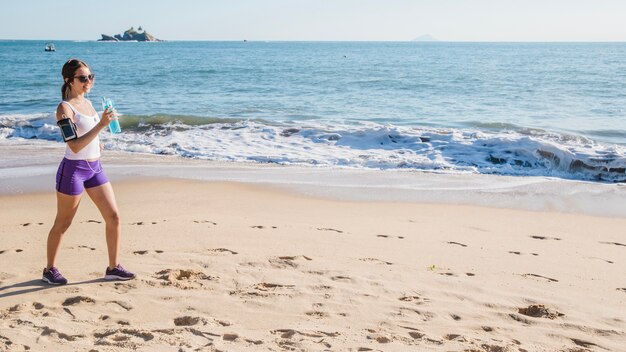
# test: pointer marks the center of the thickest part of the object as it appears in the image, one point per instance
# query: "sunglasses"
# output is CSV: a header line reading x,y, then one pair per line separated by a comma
x,y
84,79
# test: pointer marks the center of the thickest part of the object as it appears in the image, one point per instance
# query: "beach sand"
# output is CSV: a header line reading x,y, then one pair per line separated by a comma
x,y
237,267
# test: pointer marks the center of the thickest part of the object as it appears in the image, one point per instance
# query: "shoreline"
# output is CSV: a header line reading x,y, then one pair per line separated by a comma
x,y
30,168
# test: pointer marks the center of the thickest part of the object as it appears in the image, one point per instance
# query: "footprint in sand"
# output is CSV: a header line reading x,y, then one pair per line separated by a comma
x,y
265,289
457,243
260,227
47,331
92,221
78,299
516,253
455,317
124,287
187,321
378,261
623,289
583,343
183,279
230,337
387,236
545,238
424,315
289,333
122,304
68,311
541,277
122,337
87,247
414,299
447,274
413,332
205,222
341,278
140,223
604,260
287,261
614,243
254,342
222,250
147,251
520,319
158,251
19,250
539,311
5,342
455,337
317,314
328,229
322,288
28,224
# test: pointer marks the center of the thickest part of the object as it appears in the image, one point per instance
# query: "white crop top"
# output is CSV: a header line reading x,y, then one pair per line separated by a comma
x,y
84,124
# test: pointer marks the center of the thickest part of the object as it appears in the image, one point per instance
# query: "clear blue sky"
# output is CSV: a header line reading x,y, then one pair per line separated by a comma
x,y
396,20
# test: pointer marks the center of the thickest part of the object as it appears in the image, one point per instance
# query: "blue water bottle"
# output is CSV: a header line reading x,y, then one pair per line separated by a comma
x,y
114,125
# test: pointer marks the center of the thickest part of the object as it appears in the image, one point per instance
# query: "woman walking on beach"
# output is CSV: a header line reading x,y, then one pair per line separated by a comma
x,y
80,170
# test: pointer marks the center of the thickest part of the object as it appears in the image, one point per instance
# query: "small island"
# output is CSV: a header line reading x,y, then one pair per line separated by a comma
x,y
131,34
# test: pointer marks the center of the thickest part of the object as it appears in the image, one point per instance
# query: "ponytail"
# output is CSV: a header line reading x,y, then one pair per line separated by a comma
x,y
65,91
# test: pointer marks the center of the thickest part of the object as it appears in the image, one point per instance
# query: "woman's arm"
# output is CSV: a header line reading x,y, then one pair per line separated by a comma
x,y
81,142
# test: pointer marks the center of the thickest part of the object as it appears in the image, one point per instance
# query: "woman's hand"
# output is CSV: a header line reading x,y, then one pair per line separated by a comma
x,y
108,115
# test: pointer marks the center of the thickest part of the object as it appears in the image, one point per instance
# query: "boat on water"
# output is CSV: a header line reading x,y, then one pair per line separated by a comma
x,y
50,47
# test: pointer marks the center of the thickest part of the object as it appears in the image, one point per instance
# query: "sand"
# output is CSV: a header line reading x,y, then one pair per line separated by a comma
x,y
236,267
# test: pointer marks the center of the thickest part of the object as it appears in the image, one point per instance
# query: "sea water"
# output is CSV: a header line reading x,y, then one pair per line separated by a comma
x,y
523,109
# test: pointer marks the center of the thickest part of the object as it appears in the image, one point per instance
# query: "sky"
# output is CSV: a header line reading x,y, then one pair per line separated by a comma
x,y
319,20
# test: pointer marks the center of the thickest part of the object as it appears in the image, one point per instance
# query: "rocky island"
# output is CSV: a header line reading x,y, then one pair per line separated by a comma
x,y
131,35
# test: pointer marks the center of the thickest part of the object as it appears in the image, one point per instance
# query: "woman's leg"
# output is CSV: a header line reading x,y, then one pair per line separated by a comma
x,y
104,198
66,209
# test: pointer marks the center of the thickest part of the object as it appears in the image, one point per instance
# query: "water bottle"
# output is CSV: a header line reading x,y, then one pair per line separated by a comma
x,y
114,125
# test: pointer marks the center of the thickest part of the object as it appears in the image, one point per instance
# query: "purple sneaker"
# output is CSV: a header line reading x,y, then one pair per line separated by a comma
x,y
118,273
53,276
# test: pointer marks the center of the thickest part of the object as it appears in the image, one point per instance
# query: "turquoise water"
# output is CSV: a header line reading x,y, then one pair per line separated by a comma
x,y
551,109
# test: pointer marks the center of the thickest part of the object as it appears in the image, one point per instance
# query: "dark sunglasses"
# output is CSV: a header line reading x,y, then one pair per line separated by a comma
x,y
84,79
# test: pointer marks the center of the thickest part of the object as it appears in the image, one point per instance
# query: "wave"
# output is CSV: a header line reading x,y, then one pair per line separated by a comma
x,y
519,151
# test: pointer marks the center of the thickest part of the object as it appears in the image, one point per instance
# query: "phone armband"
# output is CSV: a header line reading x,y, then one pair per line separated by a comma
x,y
68,129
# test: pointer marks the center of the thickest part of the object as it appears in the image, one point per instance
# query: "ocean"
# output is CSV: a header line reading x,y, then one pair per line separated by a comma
x,y
519,109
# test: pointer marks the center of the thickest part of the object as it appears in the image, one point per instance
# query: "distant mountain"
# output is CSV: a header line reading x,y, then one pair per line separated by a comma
x,y
426,38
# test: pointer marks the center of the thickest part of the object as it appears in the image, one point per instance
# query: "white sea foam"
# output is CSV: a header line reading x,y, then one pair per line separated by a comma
x,y
357,145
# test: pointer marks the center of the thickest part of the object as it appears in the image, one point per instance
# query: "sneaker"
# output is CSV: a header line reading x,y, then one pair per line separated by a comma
x,y
53,276
118,273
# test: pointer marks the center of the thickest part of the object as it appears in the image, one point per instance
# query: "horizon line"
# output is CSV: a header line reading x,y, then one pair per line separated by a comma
x,y
335,41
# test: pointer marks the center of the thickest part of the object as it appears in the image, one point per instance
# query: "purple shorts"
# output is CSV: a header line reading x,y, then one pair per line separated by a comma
x,y
74,176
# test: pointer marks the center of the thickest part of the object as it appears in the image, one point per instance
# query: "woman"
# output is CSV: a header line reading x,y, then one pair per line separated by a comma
x,y
81,171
